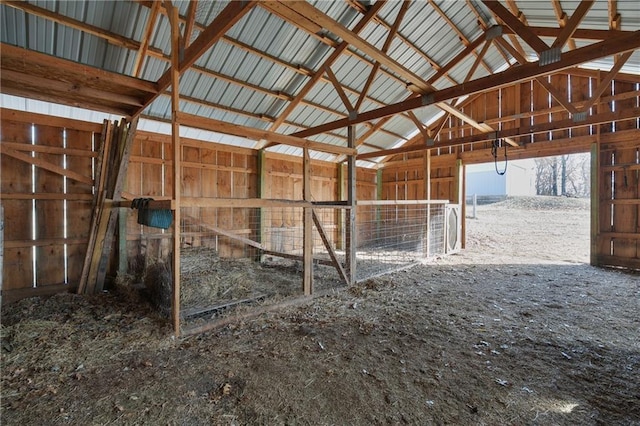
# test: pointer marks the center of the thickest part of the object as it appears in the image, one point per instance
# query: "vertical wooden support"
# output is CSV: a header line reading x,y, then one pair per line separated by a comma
x,y
340,196
261,177
307,281
595,200
123,264
177,157
1,249
379,192
458,193
351,213
463,209
427,196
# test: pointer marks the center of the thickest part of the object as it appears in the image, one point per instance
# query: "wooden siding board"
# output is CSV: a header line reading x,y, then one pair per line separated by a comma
x,y
560,82
50,214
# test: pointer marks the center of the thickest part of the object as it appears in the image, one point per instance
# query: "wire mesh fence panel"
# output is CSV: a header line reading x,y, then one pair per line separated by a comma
x,y
390,237
246,256
236,256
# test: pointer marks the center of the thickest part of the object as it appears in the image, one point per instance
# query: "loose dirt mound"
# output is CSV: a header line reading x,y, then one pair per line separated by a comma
x,y
515,330
544,203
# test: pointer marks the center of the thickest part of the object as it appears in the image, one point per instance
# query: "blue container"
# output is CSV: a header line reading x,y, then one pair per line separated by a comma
x,y
157,218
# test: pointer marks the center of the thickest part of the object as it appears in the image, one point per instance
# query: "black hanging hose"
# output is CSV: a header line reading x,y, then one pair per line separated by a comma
x,y
494,152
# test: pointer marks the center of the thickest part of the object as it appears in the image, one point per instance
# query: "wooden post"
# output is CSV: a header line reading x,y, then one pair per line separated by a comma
x,y
262,174
463,209
351,215
379,192
340,196
1,248
458,197
307,281
123,262
427,196
177,158
595,200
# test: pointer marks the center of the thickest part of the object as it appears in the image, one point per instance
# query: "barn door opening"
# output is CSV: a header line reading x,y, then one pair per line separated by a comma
x,y
538,211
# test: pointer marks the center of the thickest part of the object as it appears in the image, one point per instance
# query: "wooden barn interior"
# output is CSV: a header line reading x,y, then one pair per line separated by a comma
x,y
309,134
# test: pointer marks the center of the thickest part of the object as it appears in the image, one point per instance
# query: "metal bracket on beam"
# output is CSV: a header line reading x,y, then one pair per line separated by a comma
x,y
427,99
493,32
550,56
579,116
430,142
353,114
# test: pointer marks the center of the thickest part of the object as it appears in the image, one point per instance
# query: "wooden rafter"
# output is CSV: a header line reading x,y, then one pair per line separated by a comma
x,y
231,14
191,22
306,9
426,133
336,84
579,34
314,78
387,43
573,23
614,16
111,37
612,46
455,28
562,18
605,83
518,13
517,26
146,38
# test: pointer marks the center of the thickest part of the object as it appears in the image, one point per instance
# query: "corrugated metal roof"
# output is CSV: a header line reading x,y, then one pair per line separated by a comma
x,y
275,56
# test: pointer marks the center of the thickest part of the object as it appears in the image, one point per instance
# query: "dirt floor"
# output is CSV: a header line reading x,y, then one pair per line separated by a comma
x,y
517,329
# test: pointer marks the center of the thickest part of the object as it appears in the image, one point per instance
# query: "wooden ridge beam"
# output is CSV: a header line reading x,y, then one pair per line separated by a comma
x,y
612,46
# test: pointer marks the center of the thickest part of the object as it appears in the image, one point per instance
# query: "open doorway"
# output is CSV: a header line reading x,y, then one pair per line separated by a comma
x,y
538,211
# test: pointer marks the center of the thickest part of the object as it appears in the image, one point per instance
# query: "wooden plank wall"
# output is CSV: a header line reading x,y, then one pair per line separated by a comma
x,y
41,206
404,180
618,239
213,170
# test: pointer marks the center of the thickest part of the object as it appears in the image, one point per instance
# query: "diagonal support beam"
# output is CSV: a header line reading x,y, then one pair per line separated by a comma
x,y
231,14
334,80
568,123
517,26
541,80
306,9
605,83
373,11
144,45
573,23
464,117
613,46
374,71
